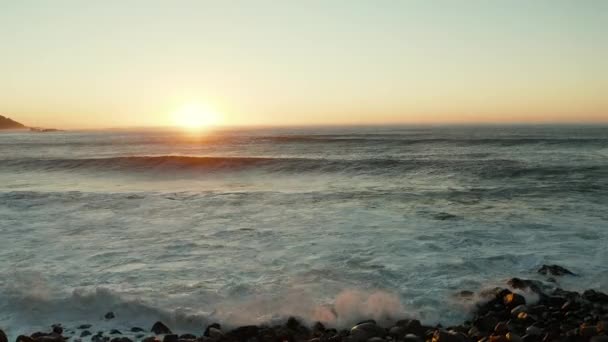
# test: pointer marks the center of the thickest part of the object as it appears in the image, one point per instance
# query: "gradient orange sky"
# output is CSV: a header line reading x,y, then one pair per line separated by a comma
x,y
77,64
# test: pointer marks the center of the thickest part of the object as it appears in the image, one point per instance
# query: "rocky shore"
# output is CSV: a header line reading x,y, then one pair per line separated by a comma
x,y
502,315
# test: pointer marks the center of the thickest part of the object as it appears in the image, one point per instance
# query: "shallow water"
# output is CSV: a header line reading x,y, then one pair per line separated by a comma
x,y
330,224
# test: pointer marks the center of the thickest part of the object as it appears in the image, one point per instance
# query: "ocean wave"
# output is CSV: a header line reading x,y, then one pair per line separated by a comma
x,y
482,168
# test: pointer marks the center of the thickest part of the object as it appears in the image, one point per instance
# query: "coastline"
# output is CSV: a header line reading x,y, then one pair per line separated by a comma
x,y
523,310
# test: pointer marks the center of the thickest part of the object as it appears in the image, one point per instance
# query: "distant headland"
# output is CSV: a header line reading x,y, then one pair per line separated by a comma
x,y
8,123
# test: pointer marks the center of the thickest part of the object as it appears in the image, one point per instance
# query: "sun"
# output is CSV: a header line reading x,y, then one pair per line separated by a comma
x,y
195,116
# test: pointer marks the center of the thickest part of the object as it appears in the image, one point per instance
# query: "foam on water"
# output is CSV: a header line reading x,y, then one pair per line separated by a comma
x,y
252,226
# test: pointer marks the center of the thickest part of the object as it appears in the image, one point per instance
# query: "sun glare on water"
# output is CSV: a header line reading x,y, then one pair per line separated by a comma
x,y
194,116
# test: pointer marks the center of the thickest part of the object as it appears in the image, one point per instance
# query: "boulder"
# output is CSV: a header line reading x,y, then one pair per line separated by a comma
x,y
159,328
85,333
554,270
84,326
171,338
23,338
412,338
447,336
215,333
109,315
512,300
366,330
137,329
212,325
3,337
244,333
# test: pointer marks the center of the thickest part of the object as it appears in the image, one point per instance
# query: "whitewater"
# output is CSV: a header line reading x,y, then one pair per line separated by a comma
x,y
325,223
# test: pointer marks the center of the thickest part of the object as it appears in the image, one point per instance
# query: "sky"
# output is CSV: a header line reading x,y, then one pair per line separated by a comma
x,y
127,63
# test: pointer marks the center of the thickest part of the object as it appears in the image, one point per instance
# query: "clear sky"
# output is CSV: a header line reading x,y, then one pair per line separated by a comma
x,y
109,63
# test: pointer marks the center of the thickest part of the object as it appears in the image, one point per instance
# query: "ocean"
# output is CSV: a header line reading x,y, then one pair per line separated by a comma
x,y
333,224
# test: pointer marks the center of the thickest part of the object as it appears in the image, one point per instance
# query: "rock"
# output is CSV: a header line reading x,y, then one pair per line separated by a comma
x,y
498,338
588,330
524,284
518,309
150,339
534,331
366,330
213,325
412,338
57,329
244,333
376,339
84,326
446,336
121,339
501,328
215,333
512,300
412,326
171,338
513,337
137,329
109,315
23,338
555,270
603,338
3,337
396,332
187,337
115,332
595,296
159,328
85,333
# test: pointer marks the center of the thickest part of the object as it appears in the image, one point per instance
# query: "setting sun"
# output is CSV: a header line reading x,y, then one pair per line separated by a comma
x,y
195,116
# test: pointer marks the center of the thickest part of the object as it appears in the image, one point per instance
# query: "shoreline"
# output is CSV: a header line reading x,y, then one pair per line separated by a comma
x,y
503,314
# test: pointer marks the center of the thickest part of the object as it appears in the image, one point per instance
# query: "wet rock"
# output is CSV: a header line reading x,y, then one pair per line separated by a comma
x,y
137,329
525,284
244,333
3,337
159,328
213,325
376,339
501,328
588,330
412,338
85,333
412,326
534,331
171,338
215,333
150,339
121,339
512,300
187,337
109,315
23,338
396,332
518,309
554,270
447,336
366,330
84,326
595,296
115,332
57,329
513,337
